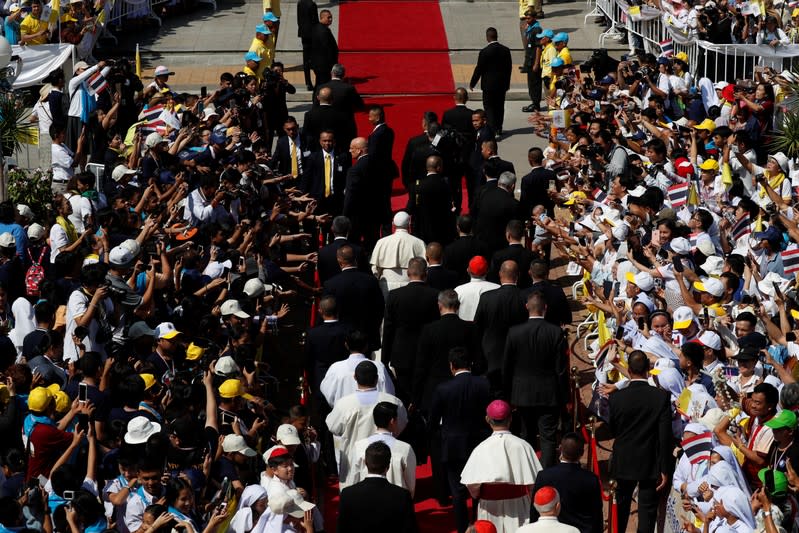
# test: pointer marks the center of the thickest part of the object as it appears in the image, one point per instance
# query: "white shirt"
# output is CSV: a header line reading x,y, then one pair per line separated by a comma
x,y
41,110
75,98
339,380
401,472
135,509
81,210
62,162
469,296
199,209
58,239
77,305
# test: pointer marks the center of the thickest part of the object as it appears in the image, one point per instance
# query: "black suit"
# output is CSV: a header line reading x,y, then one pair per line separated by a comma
x,y
580,495
324,345
558,308
413,165
458,254
281,157
640,421
430,203
535,191
345,99
535,379
493,70
326,117
324,52
381,146
374,504
474,170
459,119
496,208
307,17
518,254
359,301
314,181
459,404
497,312
408,310
359,200
327,264
441,278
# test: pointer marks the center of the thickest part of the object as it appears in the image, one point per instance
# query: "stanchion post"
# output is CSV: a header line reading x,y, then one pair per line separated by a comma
x,y
612,506
590,443
575,378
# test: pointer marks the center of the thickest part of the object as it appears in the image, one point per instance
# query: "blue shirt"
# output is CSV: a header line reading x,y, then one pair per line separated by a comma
x,y
19,235
11,30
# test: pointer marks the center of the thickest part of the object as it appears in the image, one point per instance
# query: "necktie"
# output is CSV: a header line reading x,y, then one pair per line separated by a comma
x,y
294,166
328,180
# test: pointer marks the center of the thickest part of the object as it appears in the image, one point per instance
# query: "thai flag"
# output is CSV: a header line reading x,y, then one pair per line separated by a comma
x,y
678,194
97,83
741,228
600,196
790,261
667,48
151,113
693,239
155,126
698,448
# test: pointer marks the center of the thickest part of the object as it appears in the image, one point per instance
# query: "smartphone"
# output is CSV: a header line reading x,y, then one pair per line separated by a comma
x,y
148,267
203,92
589,288
83,392
68,495
571,229
242,264
552,186
777,290
677,262
731,371
228,419
769,481
81,332
641,322
707,318
619,333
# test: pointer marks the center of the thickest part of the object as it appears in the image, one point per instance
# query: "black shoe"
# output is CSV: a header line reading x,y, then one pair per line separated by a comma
x,y
530,108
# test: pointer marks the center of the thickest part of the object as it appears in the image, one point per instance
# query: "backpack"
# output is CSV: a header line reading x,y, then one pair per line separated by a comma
x,y
35,274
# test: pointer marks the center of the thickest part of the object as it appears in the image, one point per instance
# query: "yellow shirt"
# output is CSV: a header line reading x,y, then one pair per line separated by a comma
x,y
31,26
565,55
273,6
250,72
547,55
264,52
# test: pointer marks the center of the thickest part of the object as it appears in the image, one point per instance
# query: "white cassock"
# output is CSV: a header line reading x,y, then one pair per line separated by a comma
x,y
402,471
469,296
499,463
339,380
351,420
391,255
548,524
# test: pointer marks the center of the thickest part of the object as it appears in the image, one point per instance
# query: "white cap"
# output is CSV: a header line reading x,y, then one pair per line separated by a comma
x,y
7,240
209,112
36,232
254,288
710,339
132,245
720,85
402,219
706,247
120,256
711,286
236,444
638,191
232,307
25,211
120,171
166,330
683,317
154,139
713,265
287,435
680,246
226,366
140,429
642,280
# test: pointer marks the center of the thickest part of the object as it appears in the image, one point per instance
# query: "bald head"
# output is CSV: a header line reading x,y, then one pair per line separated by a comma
x,y
461,95
358,147
434,164
417,269
509,272
433,251
325,96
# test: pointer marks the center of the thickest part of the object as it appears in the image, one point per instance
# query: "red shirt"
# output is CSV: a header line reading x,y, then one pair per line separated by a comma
x,y
48,443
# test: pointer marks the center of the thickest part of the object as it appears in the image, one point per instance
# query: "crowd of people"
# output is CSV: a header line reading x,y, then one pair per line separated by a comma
x,y
153,318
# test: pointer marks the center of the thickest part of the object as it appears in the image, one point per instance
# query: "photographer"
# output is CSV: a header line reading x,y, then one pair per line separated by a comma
x,y
275,88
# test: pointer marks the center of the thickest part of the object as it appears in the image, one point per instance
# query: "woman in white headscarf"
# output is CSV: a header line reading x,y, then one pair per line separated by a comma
x,y
733,512
251,506
725,453
708,92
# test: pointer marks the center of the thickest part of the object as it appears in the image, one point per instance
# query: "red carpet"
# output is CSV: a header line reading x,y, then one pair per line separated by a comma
x,y
399,73
385,27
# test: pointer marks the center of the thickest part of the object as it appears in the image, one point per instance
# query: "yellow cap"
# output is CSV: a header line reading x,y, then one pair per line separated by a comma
x,y
795,12
232,388
149,380
573,197
194,352
682,56
39,399
54,388
62,402
709,164
706,124
655,371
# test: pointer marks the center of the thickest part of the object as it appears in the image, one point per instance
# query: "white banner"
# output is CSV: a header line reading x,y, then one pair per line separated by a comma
x,y
762,50
39,60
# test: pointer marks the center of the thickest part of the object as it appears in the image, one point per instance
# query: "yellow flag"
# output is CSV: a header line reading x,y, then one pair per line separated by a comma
x,y
726,175
602,329
684,401
138,62
634,11
758,224
55,12
693,198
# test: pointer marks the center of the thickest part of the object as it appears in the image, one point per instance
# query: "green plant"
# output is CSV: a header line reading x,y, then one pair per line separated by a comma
x,y
786,136
15,125
32,188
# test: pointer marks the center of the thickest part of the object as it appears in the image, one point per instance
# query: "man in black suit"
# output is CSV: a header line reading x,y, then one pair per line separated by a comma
x,y
325,175
496,208
307,18
458,254
324,344
324,49
358,297
412,165
408,310
474,169
289,155
640,421
381,146
459,407
430,204
493,71
497,312
324,117
438,277
344,98
374,504
535,377
580,493
327,263
459,120
359,196
515,252
535,185
558,308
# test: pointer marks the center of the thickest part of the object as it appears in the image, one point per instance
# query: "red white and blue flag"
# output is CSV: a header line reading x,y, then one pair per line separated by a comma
x,y
678,194
741,228
151,113
97,83
790,261
698,448
667,48
600,196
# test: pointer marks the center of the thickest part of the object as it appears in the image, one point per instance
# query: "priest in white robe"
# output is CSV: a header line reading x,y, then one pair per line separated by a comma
x,y
339,380
501,472
351,418
391,254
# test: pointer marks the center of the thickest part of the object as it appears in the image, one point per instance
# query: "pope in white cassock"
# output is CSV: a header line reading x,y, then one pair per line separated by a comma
x,y
351,418
501,472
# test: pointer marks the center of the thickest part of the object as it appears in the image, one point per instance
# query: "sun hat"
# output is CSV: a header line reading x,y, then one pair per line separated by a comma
x,y
140,429
161,70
